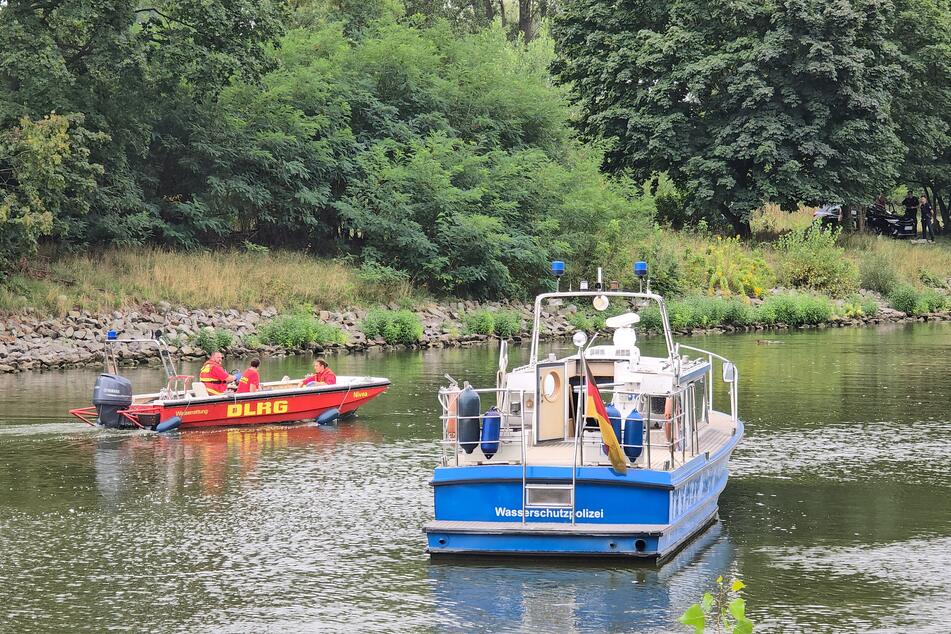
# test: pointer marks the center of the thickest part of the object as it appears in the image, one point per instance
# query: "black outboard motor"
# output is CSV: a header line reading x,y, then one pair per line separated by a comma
x,y
111,394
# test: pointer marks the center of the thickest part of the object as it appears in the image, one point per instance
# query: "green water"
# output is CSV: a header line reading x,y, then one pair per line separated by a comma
x,y
837,514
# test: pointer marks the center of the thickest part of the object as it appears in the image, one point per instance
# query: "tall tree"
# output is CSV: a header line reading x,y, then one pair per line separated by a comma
x,y
741,102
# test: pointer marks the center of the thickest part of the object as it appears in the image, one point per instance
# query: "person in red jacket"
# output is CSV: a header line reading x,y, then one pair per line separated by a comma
x,y
215,377
250,380
322,375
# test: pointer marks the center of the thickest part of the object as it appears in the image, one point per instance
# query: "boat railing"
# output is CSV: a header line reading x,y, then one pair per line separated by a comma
x,y
681,428
730,374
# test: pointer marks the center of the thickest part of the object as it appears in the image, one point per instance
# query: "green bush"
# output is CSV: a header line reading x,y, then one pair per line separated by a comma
x,y
394,326
650,318
877,274
811,259
869,306
930,279
726,267
211,339
296,330
581,321
904,298
696,312
480,322
738,313
794,309
933,301
508,323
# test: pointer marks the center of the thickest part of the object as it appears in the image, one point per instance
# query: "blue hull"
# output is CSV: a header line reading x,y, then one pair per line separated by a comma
x,y
643,514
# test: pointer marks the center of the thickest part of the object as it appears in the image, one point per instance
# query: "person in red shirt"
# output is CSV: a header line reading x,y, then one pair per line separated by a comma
x,y
215,377
322,375
250,380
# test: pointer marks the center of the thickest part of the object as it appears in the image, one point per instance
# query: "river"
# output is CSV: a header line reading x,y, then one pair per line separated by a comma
x,y
837,515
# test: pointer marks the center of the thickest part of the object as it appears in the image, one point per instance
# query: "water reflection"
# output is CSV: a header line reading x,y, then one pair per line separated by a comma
x,y
492,595
211,460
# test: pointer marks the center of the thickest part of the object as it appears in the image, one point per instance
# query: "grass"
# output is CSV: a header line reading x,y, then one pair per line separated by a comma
x,y
395,326
296,330
118,278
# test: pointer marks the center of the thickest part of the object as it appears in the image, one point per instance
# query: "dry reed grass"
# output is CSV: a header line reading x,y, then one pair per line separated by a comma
x,y
213,279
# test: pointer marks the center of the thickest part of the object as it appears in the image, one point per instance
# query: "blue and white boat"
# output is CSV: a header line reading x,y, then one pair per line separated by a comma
x,y
524,478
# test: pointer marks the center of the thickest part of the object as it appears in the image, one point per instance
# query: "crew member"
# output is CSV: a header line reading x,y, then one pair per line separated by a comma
x,y
250,380
322,375
911,207
215,377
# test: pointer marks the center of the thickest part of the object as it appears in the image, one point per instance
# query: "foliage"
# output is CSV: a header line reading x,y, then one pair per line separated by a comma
x,y
394,326
930,279
508,323
905,298
299,329
725,267
479,322
932,301
877,274
212,339
794,309
738,104
811,259
724,611
856,305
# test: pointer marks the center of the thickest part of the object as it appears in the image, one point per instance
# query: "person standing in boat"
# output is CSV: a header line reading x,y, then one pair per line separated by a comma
x,y
215,377
322,375
250,380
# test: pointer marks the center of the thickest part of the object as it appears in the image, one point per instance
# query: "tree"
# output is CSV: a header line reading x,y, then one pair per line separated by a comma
x,y
740,103
922,106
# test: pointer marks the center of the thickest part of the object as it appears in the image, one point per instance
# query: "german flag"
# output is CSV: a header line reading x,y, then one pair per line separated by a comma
x,y
594,408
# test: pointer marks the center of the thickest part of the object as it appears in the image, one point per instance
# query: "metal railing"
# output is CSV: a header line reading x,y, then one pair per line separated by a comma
x,y
733,383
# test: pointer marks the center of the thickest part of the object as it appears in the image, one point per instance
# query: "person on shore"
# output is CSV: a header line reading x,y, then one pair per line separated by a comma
x,y
215,377
911,207
926,213
250,380
322,375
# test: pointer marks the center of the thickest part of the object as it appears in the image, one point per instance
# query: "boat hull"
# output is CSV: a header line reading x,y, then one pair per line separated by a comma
x,y
255,408
642,514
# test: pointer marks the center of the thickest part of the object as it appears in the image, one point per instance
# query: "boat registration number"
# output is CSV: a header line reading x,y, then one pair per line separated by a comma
x,y
261,408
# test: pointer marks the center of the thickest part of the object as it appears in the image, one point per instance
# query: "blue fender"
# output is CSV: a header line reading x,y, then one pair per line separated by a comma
x,y
329,416
169,424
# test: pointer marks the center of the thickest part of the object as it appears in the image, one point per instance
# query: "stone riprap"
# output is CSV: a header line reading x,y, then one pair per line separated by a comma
x,y
32,342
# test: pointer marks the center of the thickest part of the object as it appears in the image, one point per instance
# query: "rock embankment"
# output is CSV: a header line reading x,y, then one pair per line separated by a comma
x,y
31,342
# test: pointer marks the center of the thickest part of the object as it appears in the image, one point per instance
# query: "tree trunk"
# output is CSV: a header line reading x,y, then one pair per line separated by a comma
x,y
525,19
489,10
741,225
502,11
945,212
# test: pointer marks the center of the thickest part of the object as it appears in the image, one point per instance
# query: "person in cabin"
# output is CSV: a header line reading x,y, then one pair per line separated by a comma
x,y
250,380
214,376
322,375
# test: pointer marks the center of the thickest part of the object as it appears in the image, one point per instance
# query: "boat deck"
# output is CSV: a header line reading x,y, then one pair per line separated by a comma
x,y
560,453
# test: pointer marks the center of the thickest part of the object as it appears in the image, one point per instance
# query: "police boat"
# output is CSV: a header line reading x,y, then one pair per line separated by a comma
x,y
186,404
604,452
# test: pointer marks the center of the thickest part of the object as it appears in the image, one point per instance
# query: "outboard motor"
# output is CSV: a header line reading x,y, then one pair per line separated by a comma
x,y
111,394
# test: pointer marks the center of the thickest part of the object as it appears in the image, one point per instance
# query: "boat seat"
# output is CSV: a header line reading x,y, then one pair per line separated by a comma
x,y
199,389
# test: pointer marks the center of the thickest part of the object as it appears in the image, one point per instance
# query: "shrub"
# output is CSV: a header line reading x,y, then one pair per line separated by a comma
x,y
859,306
738,313
794,309
932,301
696,312
869,306
508,323
930,279
725,267
296,330
904,298
877,274
811,259
480,322
650,318
395,326
211,339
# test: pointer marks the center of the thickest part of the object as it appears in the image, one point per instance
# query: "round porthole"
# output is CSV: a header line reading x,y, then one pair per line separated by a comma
x,y
551,386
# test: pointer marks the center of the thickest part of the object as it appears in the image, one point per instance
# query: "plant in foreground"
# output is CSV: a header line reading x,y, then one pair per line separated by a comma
x,y
724,611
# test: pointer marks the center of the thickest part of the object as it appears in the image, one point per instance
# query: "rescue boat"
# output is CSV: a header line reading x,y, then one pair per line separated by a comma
x,y
186,404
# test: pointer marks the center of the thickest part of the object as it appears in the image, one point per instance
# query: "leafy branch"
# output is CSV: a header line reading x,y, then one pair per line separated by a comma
x,y
725,611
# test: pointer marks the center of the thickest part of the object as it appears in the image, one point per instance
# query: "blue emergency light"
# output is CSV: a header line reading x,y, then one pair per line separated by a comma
x,y
640,268
111,335
557,268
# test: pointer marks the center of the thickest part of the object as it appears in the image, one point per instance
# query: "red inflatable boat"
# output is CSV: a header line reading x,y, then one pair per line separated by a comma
x,y
185,403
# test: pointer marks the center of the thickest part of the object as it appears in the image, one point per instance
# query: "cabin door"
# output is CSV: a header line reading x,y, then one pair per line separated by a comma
x,y
551,410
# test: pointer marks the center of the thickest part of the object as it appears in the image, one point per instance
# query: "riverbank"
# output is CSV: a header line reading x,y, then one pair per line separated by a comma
x,y
30,342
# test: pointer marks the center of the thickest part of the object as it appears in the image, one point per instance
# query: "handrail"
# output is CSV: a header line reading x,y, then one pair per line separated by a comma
x,y
734,385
